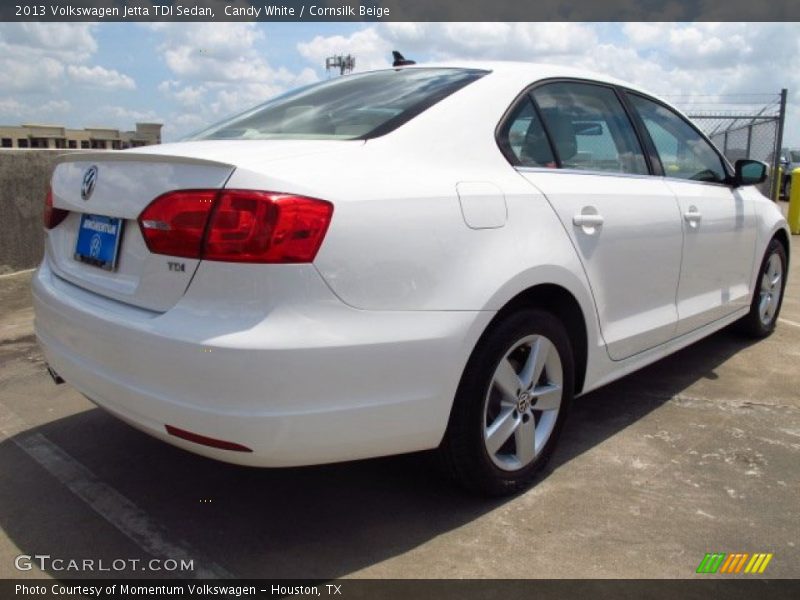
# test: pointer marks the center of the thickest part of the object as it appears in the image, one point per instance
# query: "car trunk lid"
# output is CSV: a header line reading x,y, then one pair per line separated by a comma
x,y
124,184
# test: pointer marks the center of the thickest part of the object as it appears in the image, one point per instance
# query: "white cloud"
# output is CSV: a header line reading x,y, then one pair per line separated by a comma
x,y
128,115
218,69
373,45
183,124
10,108
37,63
186,95
372,51
214,99
70,42
647,34
100,77
55,106
22,74
33,56
519,41
49,112
440,41
223,52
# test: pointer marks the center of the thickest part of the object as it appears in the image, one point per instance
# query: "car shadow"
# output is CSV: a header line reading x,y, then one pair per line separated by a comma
x,y
599,414
315,522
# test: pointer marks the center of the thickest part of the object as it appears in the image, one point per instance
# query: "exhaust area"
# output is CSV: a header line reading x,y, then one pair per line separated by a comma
x,y
54,376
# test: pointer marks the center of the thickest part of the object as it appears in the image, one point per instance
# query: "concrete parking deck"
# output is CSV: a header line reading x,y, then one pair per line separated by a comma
x,y
698,453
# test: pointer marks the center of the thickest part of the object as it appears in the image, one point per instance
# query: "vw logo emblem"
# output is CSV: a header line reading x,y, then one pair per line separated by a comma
x,y
89,179
95,245
524,401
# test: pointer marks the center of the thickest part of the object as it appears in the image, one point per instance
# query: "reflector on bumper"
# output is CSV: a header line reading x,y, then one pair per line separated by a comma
x,y
205,441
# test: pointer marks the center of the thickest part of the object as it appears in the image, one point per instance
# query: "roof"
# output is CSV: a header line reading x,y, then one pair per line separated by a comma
x,y
532,71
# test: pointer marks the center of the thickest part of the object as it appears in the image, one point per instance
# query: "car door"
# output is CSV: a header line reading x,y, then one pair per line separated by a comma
x,y
578,147
719,223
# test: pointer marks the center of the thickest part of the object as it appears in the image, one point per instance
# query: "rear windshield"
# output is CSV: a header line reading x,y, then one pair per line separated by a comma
x,y
350,107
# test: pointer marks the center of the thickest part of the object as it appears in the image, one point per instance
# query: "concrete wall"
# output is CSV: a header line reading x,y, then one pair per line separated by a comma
x,y
24,177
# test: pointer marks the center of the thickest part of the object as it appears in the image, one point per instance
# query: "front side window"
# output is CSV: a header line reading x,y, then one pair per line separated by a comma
x,y
589,128
356,106
684,153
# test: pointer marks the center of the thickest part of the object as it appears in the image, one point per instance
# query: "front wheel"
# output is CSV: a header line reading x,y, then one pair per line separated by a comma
x,y
768,295
511,404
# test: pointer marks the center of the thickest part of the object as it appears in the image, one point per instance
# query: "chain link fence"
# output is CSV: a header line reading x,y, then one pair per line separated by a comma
x,y
742,126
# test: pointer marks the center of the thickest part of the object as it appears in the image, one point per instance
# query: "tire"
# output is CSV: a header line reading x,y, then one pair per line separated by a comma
x,y
787,188
768,293
497,440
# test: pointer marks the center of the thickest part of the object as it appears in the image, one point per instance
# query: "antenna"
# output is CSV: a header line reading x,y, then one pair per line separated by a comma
x,y
401,61
345,64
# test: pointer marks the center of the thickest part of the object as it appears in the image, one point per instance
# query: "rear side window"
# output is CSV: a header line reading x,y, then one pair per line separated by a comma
x,y
589,128
684,153
351,107
523,140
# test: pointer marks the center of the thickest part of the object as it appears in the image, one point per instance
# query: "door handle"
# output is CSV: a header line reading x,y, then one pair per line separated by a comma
x,y
692,216
584,220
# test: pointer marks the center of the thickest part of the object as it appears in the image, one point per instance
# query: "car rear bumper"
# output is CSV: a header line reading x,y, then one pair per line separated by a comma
x,y
304,382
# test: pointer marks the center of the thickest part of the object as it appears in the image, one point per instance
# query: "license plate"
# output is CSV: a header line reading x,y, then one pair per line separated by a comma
x,y
98,241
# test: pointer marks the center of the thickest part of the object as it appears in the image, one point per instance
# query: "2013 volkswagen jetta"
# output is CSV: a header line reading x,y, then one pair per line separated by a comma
x,y
406,259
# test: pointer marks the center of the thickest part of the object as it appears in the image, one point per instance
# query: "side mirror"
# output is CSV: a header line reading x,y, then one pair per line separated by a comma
x,y
750,172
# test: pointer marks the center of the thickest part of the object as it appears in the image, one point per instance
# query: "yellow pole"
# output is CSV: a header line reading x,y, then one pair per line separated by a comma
x,y
779,185
794,203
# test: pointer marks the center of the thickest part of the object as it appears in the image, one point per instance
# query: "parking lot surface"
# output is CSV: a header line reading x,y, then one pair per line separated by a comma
x,y
697,453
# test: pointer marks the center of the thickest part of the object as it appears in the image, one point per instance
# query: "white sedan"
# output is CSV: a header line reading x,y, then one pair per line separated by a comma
x,y
424,257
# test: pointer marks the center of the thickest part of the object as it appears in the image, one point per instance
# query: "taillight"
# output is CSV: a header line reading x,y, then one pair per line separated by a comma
x,y
52,217
236,225
174,224
249,226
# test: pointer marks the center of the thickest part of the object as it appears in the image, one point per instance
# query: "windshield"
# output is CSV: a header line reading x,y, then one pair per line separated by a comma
x,y
794,156
349,107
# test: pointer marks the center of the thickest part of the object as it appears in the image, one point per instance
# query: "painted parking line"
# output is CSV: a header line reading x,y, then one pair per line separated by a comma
x,y
15,273
788,322
115,508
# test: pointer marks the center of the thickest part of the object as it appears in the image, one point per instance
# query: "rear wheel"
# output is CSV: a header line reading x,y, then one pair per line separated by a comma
x,y
511,404
768,295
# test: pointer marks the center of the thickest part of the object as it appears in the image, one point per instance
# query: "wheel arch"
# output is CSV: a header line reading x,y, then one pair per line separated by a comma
x,y
560,302
783,238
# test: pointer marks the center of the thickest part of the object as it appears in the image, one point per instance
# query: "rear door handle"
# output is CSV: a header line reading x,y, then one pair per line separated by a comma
x,y
584,220
692,216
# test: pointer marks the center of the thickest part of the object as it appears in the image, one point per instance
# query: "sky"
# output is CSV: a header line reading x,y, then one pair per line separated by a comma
x,y
189,75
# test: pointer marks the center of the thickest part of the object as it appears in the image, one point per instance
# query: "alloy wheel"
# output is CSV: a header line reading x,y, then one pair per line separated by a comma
x,y
770,292
523,402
